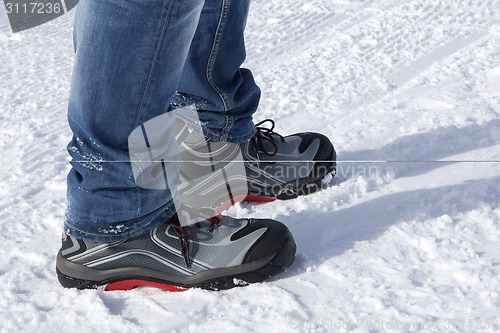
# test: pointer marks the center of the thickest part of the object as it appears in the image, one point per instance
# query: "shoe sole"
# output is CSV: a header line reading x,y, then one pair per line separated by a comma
x,y
291,191
225,278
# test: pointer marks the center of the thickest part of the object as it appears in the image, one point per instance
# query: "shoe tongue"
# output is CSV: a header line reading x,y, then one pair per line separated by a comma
x,y
289,147
269,143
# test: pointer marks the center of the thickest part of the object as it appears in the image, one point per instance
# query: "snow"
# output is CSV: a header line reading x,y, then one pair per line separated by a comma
x,y
406,238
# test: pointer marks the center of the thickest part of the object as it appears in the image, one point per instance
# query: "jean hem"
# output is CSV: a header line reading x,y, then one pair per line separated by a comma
x,y
165,214
227,138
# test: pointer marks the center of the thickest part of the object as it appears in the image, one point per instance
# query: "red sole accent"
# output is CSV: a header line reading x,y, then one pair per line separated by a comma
x,y
242,197
131,284
250,197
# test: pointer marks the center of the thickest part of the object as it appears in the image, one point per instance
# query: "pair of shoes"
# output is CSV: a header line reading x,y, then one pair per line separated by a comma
x,y
216,252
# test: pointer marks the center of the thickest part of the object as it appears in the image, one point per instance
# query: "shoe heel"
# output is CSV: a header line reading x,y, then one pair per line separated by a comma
x,y
69,282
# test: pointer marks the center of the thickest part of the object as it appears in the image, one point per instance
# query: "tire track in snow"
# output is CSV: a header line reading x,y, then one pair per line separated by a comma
x,y
413,56
314,25
400,75
410,53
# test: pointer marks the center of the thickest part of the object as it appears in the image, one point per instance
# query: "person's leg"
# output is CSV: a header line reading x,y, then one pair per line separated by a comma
x,y
225,95
129,57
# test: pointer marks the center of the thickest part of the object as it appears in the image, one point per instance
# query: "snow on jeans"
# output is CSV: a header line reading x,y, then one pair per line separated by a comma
x,y
132,56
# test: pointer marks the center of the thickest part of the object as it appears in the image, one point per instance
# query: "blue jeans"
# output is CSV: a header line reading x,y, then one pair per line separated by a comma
x,y
136,59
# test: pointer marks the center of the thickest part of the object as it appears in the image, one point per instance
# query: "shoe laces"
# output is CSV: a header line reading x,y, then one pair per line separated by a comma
x,y
265,134
205,213
210,215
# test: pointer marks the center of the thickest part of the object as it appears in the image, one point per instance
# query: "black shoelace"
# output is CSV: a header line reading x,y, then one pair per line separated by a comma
x,y
183,235
265,134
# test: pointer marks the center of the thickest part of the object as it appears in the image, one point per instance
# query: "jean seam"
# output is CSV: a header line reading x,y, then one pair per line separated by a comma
x,y
154,61
229,125
214,51
168,7
225,136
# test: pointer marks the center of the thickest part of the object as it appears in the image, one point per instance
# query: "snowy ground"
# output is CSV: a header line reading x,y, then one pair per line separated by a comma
x,y
405,239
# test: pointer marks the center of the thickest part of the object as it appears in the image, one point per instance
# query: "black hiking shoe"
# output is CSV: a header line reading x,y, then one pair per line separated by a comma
x,y
267,167
283,168
208,255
